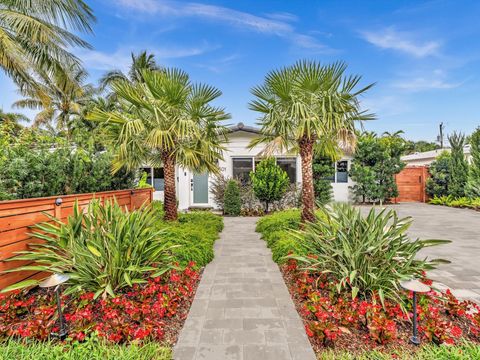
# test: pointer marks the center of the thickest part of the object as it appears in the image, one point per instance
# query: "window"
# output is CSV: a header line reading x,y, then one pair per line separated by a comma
x,y
149,175
158,179
342,172
289,165
241,168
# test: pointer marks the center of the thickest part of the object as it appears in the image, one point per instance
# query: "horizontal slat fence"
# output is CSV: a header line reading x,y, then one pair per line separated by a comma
x,y
18,216
411,183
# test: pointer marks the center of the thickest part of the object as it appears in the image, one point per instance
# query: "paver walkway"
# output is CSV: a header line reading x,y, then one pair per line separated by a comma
x,y
242,308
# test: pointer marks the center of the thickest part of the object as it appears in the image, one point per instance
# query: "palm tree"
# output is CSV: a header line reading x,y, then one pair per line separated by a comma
x,y
35,36
59,96
166,120
142,61
308,106
12,118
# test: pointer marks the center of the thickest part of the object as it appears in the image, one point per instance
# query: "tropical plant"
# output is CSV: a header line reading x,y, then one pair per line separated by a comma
x,y
473,184
59,96
103,248
306,106
35,36
231,199
412,147
323,175
376,162
141,62
437,185
458,166
12,118
269,181
366,256
167,120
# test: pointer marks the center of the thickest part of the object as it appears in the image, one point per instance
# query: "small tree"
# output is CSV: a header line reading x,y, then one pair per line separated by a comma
x,y
374,166
232,204
473,185
437,183
269,181
458,166
323,172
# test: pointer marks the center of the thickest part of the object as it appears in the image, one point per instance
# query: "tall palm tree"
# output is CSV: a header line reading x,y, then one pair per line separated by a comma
x,y
34,35
166,120
307,106
142,61
59,96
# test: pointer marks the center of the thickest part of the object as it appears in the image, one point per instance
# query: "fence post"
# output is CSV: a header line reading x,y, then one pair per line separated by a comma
x,y
57,209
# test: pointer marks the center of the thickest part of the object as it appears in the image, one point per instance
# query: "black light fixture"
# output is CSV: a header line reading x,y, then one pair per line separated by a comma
x,y
57,280
415,286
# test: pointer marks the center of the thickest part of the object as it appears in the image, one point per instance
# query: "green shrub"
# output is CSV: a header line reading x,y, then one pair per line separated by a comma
x,y
282,220
458,166
269,181
89,350
103,248
323,173
231,202
275,229
192,236
366,255
439,180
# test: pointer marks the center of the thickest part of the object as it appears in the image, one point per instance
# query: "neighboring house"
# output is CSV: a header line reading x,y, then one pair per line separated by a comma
x,y
427,157
193,190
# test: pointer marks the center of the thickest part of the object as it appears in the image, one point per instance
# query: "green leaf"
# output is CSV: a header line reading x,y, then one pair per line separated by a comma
x,y
20,285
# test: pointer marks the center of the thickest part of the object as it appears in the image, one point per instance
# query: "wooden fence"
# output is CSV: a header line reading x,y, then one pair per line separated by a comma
x,y
17,216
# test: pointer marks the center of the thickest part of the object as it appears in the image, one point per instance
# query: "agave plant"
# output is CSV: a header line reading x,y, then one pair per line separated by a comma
x,y
367,256
103,248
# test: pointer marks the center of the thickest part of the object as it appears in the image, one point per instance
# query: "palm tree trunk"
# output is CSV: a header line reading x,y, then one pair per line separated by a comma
x,y
308,195
170,195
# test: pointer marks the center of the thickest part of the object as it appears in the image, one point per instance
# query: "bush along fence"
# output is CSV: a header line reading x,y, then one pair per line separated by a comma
x,y
18,216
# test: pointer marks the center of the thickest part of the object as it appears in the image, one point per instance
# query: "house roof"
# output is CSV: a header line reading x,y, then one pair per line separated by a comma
x,y
242,127
430,154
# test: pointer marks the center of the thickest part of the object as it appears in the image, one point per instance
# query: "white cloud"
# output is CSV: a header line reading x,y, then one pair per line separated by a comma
x,y
276,24
390,38
121,58
433,81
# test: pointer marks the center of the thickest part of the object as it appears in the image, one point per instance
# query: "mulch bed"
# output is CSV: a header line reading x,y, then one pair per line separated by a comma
x,y
334,321
153,311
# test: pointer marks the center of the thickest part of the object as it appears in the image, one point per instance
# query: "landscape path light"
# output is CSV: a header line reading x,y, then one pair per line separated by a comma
x,y
415,286
56,280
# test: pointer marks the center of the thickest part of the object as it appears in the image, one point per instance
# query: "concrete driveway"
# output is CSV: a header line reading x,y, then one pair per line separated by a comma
x,y
462,227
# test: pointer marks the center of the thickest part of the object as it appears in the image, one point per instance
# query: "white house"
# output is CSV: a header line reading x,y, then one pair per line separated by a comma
x,y
427,157
193,190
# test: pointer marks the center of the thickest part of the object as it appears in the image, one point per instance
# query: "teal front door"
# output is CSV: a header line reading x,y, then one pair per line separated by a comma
x,y
200,188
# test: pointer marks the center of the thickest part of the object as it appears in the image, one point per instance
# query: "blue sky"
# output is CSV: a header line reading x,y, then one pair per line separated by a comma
x,y
423,55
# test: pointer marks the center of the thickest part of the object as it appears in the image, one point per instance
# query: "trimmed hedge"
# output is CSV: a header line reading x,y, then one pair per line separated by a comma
x,y
194,235
275,230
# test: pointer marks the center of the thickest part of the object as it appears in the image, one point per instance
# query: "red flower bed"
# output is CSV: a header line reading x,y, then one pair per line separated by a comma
x,y
155,311
335,320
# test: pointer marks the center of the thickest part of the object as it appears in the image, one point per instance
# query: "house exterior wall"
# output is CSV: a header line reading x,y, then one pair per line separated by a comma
x,y
238,148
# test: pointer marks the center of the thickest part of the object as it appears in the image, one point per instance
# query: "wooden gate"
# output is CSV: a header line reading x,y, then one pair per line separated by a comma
x,y
411,184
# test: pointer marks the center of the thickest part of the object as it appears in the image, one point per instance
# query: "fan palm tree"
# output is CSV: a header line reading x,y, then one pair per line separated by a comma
x,y
34,35
166,120
59,96
307,106
142,61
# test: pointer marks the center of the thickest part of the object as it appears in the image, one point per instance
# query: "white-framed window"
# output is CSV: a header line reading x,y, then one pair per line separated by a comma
x,y
340,172
158,177
243,165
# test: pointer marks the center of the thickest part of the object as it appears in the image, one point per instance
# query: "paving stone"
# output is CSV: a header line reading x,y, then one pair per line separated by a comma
x,y
267,352
184,353
219,352
243,309
243,337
